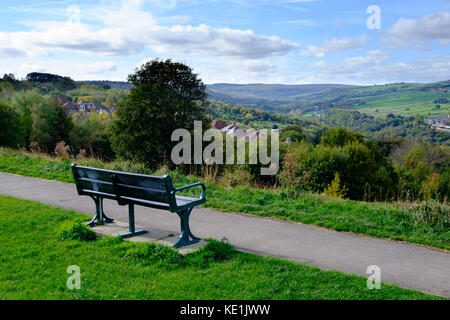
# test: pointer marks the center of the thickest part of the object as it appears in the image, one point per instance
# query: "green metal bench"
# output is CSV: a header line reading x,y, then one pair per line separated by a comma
x,y
136,189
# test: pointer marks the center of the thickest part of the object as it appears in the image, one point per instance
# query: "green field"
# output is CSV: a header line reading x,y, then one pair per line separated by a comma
x,y
35,258
425,224
404,103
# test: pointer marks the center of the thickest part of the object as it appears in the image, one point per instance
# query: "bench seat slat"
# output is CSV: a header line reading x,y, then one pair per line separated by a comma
x,y
147,203
97,193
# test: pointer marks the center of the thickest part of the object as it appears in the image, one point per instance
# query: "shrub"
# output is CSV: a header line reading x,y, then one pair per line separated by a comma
x,y
430,212
293,176
443,189
236,177
62,150
11,130
34,147
336,189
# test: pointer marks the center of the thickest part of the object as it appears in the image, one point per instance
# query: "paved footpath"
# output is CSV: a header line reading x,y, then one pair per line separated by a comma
x,y
407,265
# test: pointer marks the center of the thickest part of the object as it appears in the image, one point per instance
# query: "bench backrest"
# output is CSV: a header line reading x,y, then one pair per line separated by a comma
x,y
152,191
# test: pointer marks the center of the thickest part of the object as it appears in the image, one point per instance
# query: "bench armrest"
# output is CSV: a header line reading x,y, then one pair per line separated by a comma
x,y
192,186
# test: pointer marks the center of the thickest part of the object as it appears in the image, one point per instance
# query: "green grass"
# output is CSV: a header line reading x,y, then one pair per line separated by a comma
x,y
34,259
373,219
404,103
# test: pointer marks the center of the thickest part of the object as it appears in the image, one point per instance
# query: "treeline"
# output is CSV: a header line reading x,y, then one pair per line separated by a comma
x,y
345,164
37,122
392,126
255,118
55,86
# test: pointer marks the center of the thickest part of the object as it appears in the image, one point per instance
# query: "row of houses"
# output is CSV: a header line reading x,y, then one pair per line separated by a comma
x,y
440,123
84,106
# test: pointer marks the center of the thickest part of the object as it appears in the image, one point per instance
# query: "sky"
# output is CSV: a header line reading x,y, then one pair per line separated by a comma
x,y
231,41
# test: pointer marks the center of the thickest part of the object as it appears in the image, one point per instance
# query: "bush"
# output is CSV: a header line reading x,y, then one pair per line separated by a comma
x,y
11,131
79,231
430,212
62,150
293,177
443,189
235,177
336,189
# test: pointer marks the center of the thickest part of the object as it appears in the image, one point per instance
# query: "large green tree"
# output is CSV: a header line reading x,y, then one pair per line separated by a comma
x,y
165,96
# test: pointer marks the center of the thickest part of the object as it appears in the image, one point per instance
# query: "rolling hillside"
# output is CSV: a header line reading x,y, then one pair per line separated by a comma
x,y
407,99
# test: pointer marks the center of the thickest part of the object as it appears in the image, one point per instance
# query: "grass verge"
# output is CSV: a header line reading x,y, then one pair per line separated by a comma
x,y
36,253
429,226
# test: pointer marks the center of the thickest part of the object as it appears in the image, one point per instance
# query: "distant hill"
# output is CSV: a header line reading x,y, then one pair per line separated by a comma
x,y
122,85
313,100
268,91
265,96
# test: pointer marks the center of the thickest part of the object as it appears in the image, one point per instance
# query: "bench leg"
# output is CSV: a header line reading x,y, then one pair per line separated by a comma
x,y
100,217
133,232
103,216
186,234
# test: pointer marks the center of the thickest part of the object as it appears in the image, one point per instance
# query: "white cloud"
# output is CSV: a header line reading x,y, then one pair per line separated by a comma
x,y
127,30
376,67
419,32
335,45
224,42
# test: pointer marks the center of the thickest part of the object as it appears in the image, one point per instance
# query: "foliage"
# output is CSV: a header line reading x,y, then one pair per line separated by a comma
x,y
336,189
93,134
48,81
42,120
356,161
51,124
292,133
236,176
11,131
394,126
166,96
62,150
422,169
339,137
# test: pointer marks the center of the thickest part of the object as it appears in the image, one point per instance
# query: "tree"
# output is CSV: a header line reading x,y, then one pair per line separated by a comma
x,y
92,134
339,137
165,96
50,123
294,133
11,131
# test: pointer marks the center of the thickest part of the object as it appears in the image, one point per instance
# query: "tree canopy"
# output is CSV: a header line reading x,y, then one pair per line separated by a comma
x,y
165,96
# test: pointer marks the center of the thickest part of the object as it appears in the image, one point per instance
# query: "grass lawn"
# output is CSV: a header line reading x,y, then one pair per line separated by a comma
x,y
34,259
375,219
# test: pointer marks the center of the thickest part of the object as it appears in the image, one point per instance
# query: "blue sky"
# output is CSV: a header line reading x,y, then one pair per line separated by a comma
x,y
235,41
